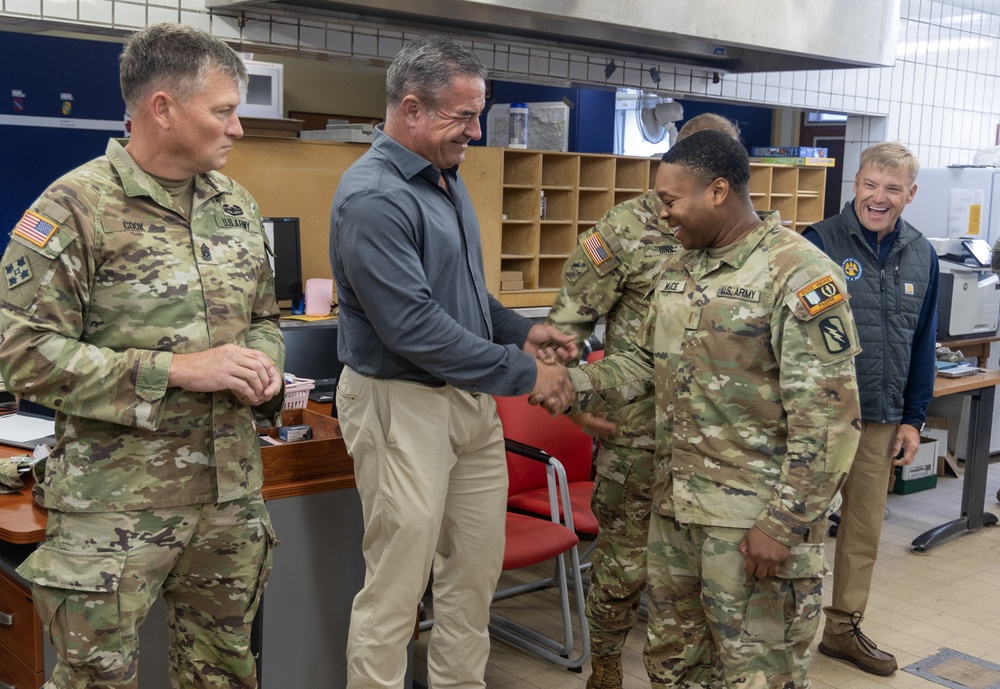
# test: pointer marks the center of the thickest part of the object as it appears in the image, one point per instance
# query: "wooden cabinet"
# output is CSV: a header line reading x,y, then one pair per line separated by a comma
x,y
522,250
22,662
797,193
546,200
528,245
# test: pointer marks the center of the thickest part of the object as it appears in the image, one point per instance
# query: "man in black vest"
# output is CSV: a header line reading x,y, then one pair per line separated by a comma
x,y
892,276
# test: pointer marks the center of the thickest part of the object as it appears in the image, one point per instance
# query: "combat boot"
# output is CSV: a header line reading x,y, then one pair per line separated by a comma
x,y
855,647
607,672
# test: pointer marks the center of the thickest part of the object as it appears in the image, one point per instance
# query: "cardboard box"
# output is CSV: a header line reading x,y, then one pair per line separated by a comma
x,y
922,473
789,151
936,428
510,285
511,275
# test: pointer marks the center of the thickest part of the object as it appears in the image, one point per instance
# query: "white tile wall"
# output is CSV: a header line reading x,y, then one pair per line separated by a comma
x,y
941,97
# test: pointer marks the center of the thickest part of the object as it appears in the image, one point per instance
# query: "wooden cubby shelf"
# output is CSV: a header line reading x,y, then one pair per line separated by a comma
x,y
296,178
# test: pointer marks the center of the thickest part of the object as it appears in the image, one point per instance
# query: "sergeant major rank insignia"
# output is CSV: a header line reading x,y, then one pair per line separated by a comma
x,y
819,295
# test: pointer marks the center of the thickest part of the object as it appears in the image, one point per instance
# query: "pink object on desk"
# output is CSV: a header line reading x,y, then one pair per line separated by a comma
x,y
319,296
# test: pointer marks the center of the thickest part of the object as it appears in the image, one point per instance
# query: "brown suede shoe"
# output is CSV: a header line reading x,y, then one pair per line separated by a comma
x,y
607,672
857,648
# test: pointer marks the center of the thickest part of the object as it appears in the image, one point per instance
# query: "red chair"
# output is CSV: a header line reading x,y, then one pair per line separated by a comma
x,y
560,438
535,539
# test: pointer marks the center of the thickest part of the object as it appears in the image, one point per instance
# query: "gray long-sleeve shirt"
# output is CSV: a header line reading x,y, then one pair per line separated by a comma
x,y
408,264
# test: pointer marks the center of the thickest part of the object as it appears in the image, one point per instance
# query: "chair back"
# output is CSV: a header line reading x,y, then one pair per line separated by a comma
x,y
558,436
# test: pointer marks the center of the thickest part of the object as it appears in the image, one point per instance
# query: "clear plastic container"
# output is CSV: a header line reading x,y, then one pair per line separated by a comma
x,y
518,137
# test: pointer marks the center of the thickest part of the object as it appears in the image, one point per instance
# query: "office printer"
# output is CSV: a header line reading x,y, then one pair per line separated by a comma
x,y
969,294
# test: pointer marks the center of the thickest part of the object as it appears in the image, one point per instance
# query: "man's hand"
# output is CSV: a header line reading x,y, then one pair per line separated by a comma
x,y
762,554
247,373
907,440
553,388
548,343
595,425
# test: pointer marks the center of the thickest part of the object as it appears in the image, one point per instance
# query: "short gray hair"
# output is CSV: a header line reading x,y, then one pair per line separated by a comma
x,y
174,58
425,68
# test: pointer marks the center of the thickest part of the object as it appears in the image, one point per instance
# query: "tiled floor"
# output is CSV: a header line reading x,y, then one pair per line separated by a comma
x,y
948,597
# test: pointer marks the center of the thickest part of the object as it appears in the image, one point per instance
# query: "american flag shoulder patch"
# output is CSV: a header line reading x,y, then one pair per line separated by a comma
x,y
596,248
35,228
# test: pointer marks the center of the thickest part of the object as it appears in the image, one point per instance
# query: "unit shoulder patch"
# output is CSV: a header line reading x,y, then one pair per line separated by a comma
x,y
820,295
17,272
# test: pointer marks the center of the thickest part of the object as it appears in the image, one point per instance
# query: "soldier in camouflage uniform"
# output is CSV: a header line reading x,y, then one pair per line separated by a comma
x,y
751,345
618,285
616,278
138,301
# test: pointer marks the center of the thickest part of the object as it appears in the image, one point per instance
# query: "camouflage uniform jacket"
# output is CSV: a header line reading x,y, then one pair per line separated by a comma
x,y
615,277
756,397
103,280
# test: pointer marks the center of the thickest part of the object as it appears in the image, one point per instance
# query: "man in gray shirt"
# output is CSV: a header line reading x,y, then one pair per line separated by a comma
x,y
424,346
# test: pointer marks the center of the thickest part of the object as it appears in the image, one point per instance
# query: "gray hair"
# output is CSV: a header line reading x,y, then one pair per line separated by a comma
x,y
425,68
173,58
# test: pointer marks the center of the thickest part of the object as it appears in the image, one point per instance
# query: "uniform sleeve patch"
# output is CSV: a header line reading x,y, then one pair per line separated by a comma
x,y
835,337
820,295
35,228
17,272
596,248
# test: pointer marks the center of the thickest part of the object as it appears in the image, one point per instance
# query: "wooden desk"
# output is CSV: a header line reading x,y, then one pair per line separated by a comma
x,y
982,389
978,347
317,570
22,521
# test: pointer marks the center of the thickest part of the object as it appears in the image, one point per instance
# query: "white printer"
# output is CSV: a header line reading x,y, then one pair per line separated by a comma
x,y
969,293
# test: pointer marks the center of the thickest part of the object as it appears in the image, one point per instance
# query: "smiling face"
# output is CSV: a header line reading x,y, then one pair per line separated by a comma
x,y
880,194
686,206
442,135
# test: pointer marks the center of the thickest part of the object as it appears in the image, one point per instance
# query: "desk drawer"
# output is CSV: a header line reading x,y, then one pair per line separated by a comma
x,y
20,630
14,673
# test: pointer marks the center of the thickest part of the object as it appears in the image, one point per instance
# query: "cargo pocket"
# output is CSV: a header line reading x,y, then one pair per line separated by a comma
x,y
76,596
785,608
264,572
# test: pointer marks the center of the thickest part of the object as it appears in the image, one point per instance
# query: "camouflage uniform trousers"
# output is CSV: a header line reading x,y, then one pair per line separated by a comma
x,y
622,505
713,625
97,575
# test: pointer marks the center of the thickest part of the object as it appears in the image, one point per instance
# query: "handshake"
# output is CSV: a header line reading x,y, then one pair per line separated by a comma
x,y
551,348
553,387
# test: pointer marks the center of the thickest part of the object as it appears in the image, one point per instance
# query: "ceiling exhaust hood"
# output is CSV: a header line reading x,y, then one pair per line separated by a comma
x,y
723,35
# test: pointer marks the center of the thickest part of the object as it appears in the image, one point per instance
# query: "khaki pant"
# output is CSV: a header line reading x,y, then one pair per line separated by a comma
x,y
432,475
861,517
98,574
